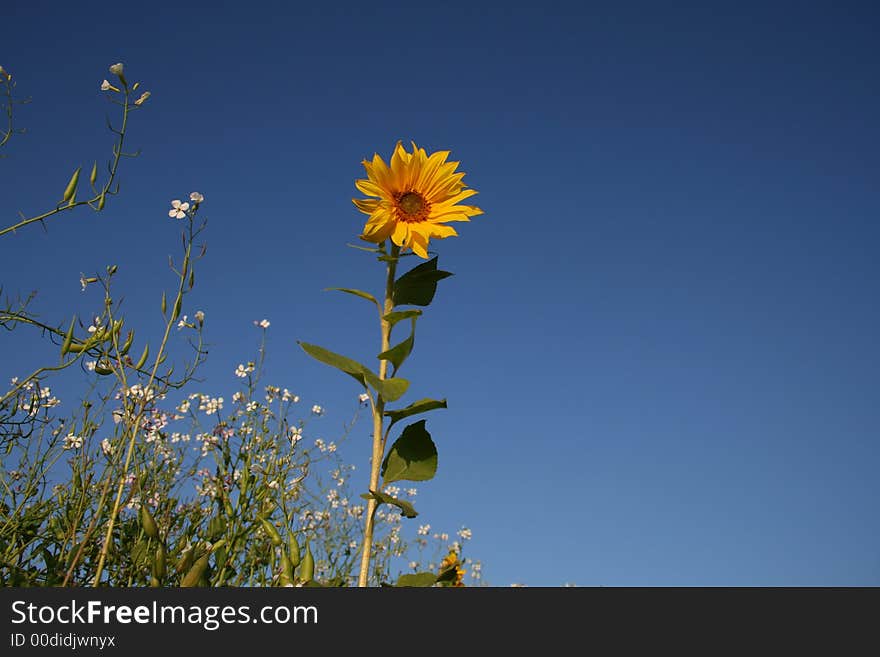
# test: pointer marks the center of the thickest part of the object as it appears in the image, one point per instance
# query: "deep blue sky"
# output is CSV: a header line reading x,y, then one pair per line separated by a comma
x,y
660,346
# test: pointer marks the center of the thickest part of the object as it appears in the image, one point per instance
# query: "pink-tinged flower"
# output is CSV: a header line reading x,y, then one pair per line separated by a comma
x,y
178,209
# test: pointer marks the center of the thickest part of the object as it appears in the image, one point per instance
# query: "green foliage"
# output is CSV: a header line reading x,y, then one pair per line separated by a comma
x,y
398,353
389,389
357,293
412,457
407,510
420,406
417,580
418,286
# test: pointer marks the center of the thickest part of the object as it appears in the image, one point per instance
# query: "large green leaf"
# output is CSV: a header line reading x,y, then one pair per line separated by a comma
x,y
361,373
412,457
421,406
418,286
399,352
417,579
406,509
389,389
357,293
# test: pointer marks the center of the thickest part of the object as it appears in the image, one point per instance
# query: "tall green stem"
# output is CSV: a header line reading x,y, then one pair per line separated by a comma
x,y
378,413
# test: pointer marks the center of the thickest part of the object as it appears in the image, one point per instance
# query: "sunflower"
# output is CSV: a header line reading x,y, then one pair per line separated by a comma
x,y
415,198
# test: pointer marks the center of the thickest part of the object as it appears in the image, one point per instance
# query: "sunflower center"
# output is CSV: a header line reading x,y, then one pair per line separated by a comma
x,y
413,206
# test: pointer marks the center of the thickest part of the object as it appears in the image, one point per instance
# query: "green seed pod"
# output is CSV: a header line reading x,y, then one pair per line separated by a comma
x,y
70,190
127,345
94,175
103,371
177,305
139,553
220,555
294,549
149,525
192,278
143,358
159,563
68,338
186,562
216,528
101,201
196,572
269,528
307,568
164,303
286,570
75,348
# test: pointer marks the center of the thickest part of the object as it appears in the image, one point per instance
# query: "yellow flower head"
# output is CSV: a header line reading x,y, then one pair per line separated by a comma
x,y
449,560
415,198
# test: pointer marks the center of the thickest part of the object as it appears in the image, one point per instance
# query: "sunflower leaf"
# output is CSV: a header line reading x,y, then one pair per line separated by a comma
x,y
389,389
360,373
399,352
412,457
357,293
406,509
418,286
420,406
417,579
400,315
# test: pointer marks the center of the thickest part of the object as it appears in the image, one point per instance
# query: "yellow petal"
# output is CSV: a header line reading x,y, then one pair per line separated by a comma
x,y
467,193
401,234
366,205
442,231
377,231
419,245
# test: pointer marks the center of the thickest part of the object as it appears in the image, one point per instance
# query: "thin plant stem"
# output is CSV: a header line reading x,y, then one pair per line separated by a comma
x,y
378,408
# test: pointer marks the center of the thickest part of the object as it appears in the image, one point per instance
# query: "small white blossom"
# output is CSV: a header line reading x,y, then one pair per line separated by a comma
x,y
117,68
424,529
200,317
195,197
465,534
288,396
178,209
106,447
182,323
363,398
317,410
91,364
72,442
263,323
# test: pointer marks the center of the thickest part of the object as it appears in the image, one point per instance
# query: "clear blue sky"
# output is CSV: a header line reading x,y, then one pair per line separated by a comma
x,y
660,347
